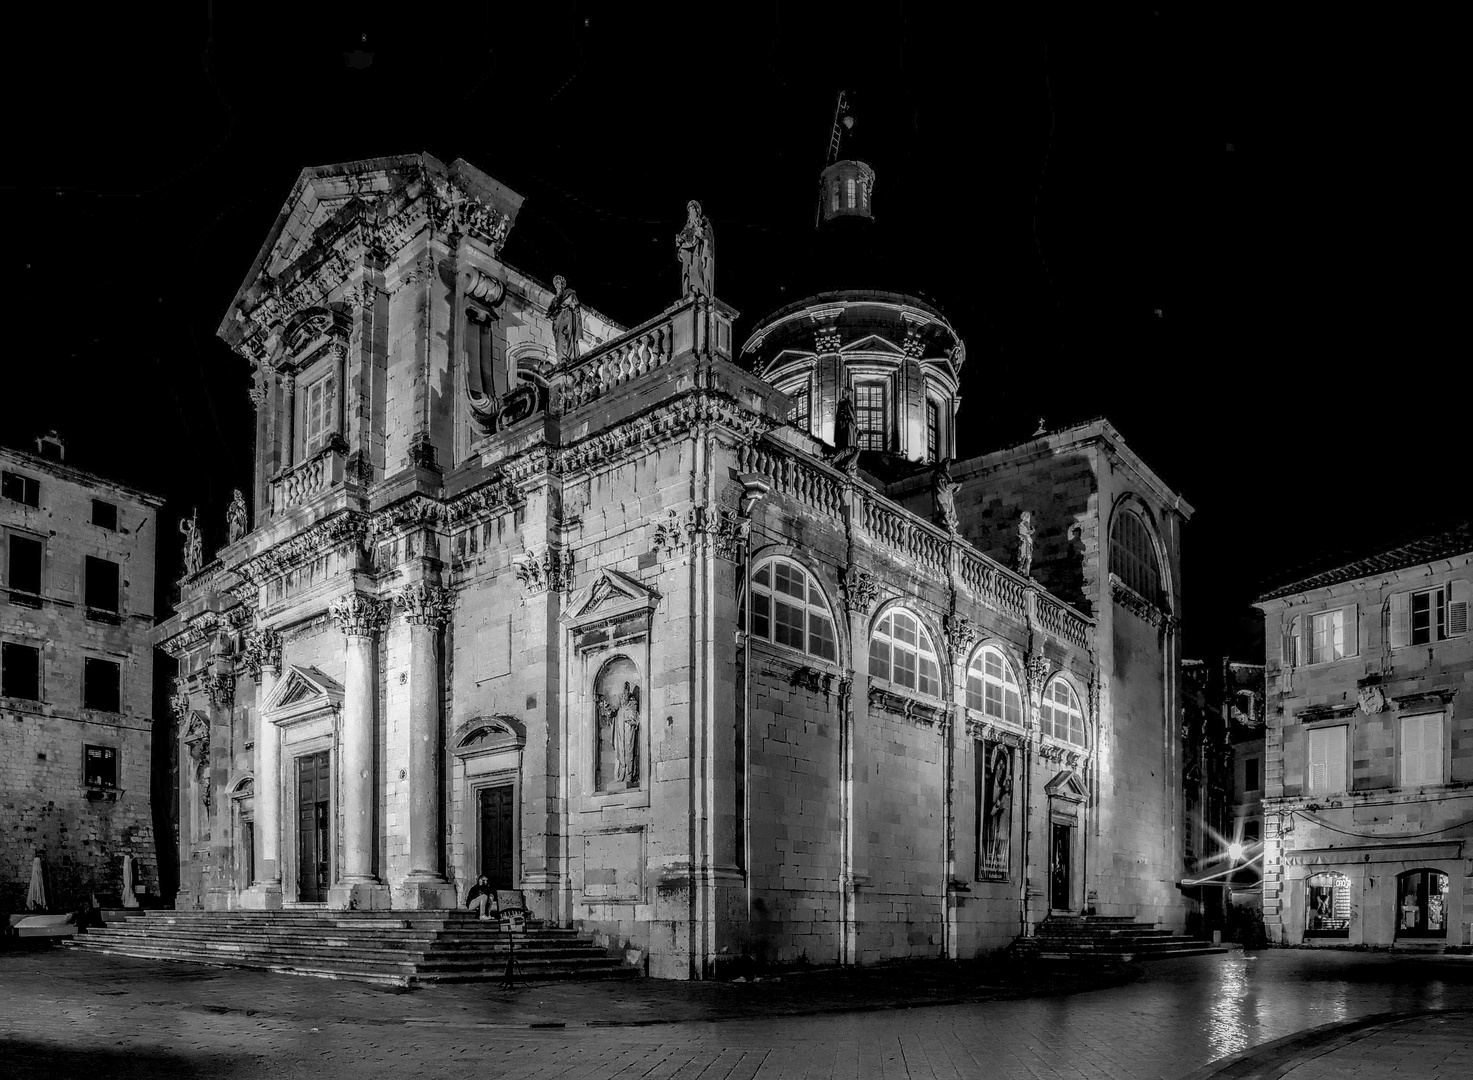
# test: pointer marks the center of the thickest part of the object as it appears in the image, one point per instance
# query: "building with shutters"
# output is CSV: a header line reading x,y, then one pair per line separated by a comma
x,y
1368,758
76,679
648,626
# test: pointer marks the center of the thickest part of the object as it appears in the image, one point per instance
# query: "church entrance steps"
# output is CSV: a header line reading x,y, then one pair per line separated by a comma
x,y
399,948
1106,938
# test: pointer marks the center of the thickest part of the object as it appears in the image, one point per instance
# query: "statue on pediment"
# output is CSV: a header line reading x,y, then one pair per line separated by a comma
x,y
194,551
235,517
696,244
566,316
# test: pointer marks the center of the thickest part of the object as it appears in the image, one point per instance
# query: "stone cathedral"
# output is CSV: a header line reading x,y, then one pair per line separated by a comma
x,y
706,645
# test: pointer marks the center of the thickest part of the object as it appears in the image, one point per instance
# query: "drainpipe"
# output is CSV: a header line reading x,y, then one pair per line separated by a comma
x,y
754,487
1027,755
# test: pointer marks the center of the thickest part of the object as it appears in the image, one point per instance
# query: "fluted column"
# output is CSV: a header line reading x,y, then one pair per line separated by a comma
x,y
263,659
425,608
359,617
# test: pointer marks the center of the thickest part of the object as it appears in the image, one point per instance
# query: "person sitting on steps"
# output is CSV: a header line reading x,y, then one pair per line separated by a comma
x,y
481,897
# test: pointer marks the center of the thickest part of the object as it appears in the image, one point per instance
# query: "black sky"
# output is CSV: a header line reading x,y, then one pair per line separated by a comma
x,y
1227,233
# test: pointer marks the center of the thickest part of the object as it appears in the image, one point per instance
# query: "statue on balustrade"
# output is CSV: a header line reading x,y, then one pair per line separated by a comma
x,y
235,517
697,246
567,320
1025,543
194,553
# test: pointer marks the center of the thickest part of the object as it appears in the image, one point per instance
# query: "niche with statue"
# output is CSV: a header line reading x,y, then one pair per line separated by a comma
x,y
617,721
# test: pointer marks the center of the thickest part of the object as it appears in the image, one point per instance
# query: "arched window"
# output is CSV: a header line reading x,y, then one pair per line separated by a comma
x,y
849,192
900,650
788,608
992,688
1327,905
1133,556
1061,715
1421,904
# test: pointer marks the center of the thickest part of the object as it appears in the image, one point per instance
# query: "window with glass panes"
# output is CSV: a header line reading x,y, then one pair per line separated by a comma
x,y
992,688
789,609
1329,637
869,415
1429,623
933,430
1061,715
319,416
799,403
900,650
1133,556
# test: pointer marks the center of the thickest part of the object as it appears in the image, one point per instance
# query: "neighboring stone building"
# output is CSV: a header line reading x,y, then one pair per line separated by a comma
x,y
76,679
1369,749
610,618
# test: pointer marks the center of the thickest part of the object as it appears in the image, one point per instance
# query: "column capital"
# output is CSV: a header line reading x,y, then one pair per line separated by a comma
x,y
357,615
262,652
424,604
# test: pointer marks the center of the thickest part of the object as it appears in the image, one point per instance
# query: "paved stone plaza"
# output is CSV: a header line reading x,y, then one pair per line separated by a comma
x,y
64,1013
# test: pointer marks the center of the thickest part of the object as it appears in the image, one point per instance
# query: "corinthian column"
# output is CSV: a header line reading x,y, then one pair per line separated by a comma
x,y
359,617
424,607
263,659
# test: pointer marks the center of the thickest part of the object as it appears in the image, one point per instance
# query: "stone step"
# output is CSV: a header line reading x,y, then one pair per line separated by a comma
x,y
360,951
330,934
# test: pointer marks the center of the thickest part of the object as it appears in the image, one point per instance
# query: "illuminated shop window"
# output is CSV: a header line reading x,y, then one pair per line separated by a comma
x,y
1421,904
1327,905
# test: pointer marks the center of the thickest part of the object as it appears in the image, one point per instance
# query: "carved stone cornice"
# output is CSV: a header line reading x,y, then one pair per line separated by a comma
x,y
415,512
813,680
262,652
993,732
484,502
550,569
860,588
424,604
1135,603
923,712
357,615
312,543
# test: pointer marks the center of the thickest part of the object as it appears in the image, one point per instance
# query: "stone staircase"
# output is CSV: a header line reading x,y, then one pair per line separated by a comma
x,y
396,948
1107,938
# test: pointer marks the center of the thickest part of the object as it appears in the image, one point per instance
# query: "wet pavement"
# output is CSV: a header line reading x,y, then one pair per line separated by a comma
x,y
1308,1015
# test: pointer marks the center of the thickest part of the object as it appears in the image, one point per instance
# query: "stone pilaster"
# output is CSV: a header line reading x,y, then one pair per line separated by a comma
x,y
359,617
425,607
263,659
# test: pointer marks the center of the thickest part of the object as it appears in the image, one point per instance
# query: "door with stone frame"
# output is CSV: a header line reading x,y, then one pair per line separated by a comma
x,y
1061,860
314,818
496,834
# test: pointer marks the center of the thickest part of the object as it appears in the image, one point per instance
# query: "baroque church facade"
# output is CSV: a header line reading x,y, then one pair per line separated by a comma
x,y
706,646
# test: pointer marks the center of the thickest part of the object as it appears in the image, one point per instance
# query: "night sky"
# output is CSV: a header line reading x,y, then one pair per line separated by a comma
x,y
1223,232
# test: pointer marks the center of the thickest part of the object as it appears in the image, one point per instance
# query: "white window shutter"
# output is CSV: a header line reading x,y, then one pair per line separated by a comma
x,y
1316,760
1459,594
1335,760
1411,751
1352,630
1432,749
1296,644
1401,620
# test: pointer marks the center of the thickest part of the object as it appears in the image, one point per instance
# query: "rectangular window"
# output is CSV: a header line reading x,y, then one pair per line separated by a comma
x,y
105,514
869,415
1252,831
1332,635
1421,750
100,766
319,413
101,685
102,585
1429,615
1326,764
21,489
800,403
849,192
1429,622
1250,774
20,671
23,568
933,430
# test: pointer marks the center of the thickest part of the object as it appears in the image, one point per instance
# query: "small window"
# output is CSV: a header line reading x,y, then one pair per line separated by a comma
x,y
100,766
863,195
1133,556
900,650
1429,615
101,685
1251,780
1327,905
992,688
105,514
23,568
21,489
869,415
800,404
1421,750
1326,761
849,193
933,430
320,413
102,585
1332,635
1061,715
789,609
20,671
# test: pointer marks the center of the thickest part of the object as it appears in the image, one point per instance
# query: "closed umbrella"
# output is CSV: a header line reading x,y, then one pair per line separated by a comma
x,y
36,897
130,899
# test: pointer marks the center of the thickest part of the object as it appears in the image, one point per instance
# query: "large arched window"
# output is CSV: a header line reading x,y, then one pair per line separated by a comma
x,y
1061,715
1133,555
1421,904
788,608
900,650
992,688
1327,905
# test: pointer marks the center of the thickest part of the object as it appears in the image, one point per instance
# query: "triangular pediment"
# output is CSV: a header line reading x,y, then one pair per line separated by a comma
x,y
1066,785
874,343
197,727
303,689
609,594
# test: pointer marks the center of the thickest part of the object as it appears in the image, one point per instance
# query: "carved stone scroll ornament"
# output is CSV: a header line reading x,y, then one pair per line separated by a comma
x,y
1037,672
669,538
860,589
357,615
262,652
960,633
549,570
424,604
731,535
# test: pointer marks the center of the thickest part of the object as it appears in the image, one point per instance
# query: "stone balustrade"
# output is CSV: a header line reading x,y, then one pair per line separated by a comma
x,y
301,483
